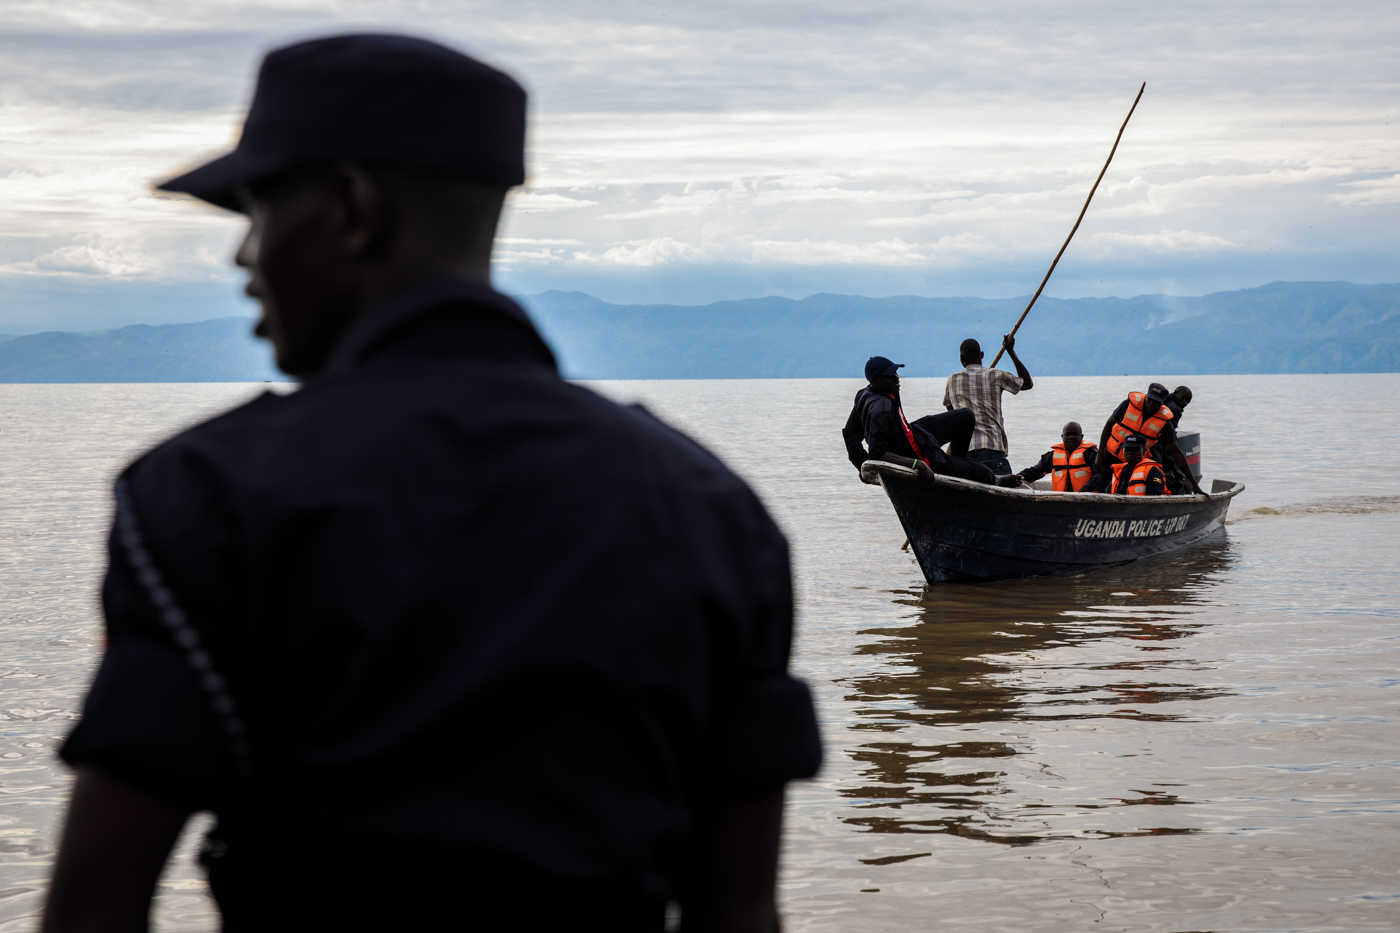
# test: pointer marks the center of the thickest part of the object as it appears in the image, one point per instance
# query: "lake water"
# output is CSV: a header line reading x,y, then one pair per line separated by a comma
x,y
1206,741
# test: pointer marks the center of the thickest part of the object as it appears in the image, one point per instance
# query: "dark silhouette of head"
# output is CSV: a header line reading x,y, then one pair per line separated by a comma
x,y
970,351
883,374
324,243
1182,396
368,163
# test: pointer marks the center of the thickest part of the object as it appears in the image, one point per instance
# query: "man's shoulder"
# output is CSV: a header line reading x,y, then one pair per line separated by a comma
x,y
868,399
968,377
232,429
376,431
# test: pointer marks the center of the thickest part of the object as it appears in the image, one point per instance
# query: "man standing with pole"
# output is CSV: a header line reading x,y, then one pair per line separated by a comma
x,y
979,388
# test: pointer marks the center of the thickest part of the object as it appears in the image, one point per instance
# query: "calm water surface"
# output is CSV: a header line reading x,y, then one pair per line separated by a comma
x,y
1203,741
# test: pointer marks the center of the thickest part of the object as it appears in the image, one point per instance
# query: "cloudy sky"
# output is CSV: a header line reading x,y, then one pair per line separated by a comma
x,y
687,152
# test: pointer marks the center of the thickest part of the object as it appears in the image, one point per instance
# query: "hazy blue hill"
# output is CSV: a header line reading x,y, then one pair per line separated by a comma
x,y
1279,328
222,350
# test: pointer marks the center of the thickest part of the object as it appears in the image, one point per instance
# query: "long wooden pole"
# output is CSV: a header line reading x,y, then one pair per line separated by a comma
x,y
1077,222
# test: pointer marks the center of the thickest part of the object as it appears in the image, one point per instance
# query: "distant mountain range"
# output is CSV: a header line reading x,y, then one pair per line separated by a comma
x,y
1286,327
222,350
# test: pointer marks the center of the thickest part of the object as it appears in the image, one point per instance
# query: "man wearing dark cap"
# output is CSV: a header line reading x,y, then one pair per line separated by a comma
x,y
1151,416
1136,475
978,388
877,419
443,641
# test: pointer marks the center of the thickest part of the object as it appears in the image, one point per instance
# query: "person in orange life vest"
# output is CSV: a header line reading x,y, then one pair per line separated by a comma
x,y
1070,463
877,418
1137,475
1148,415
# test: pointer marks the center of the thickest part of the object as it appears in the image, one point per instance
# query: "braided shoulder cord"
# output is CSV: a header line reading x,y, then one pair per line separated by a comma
x,y
184,634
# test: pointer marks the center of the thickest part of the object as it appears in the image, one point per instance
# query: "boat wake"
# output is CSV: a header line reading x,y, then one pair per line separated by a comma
x,y
1351,505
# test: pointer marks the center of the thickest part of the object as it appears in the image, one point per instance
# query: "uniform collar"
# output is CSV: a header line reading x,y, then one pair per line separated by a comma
x,y
395,311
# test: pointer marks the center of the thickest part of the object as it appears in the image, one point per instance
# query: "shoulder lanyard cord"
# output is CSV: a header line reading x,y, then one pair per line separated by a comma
x,y
184,634
918,454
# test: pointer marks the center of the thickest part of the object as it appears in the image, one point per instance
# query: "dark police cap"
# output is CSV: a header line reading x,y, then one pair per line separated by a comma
x,y
879,366
382,99
1135,440
1157,392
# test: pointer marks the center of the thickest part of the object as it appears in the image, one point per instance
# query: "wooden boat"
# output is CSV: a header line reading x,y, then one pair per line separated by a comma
x,y
965,531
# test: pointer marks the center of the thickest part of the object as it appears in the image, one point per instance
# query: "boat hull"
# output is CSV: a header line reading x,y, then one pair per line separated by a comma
x,y
965,531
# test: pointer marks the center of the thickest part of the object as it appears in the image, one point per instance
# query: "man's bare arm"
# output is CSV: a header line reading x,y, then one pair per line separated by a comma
x,y
115,842
735,872
1180,459
1027,383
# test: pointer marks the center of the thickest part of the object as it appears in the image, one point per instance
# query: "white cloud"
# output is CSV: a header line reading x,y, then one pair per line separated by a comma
x,y
1373,191
88,255
660,251
1165,241
529,201
794,133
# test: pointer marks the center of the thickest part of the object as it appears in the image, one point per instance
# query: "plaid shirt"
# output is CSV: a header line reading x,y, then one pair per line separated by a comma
x,y
980,388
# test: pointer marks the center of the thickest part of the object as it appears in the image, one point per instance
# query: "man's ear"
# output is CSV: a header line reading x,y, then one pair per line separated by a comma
x,y
361,215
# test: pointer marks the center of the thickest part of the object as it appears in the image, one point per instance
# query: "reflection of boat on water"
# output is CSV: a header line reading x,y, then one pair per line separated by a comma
x,y
962,695
962,531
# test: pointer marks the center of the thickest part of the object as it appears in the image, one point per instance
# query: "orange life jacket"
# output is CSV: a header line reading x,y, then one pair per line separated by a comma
x,y
1134,423
1137,482
1070,472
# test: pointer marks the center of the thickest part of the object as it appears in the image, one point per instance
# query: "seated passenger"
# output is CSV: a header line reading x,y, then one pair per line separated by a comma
x,y
1070,463
1181,397
1137,475
878,418
1150,416
1177,482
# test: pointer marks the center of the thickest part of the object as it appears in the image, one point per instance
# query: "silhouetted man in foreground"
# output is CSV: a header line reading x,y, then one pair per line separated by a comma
x,y
445,642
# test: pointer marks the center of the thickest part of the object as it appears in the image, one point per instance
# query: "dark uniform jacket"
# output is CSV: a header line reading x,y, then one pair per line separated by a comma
x,y
495,640
875,420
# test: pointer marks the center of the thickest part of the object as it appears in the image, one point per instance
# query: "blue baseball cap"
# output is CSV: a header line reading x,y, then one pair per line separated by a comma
x,y
1135,440
879,366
